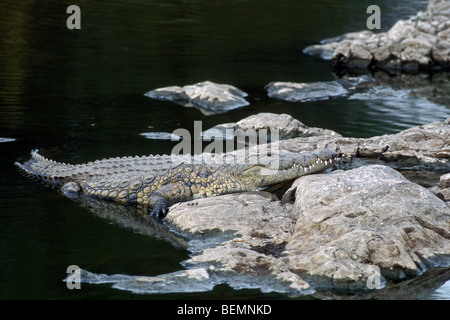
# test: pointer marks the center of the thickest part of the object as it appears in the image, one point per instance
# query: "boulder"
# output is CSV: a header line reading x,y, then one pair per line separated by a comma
x,y
209,97
285,124
353,224
277,127
442,189
327,47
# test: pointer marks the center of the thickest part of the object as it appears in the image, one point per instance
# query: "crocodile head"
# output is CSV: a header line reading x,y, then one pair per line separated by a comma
x,y
274,171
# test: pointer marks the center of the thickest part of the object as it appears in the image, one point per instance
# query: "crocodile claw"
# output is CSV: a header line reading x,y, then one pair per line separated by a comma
x,y
160,207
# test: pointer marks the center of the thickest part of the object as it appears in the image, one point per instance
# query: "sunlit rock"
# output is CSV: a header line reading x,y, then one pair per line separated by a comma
x,y
209,97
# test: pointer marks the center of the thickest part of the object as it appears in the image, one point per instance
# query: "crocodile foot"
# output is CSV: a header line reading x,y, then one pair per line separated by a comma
x,y
159,206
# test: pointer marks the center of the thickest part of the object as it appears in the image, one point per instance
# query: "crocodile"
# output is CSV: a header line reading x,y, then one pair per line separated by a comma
x,y
158,181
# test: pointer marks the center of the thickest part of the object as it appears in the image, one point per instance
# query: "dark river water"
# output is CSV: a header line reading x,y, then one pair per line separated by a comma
x,y
79,95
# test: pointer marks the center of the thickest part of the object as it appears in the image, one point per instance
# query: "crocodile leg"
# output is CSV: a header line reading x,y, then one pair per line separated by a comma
x,y
158,205
160,200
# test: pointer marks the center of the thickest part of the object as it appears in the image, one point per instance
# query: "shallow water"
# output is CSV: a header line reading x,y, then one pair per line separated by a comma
x,y
79,94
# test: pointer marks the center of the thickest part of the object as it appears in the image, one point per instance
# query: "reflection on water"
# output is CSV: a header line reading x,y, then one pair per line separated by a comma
x,y
79,94
442,293
399,108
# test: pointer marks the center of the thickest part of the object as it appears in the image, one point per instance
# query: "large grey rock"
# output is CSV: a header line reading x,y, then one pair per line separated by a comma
x,y
420,42
352,224
241,240
284,124
208,97
276,126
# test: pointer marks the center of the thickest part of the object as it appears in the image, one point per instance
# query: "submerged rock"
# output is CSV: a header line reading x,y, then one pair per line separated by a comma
x,y
302,92
208,97
193,280
382,94
314,91
421,42
160,136
434,88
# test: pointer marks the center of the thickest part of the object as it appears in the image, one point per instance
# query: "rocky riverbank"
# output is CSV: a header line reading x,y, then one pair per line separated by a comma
x,y
357,228
419,43
362,227
351,230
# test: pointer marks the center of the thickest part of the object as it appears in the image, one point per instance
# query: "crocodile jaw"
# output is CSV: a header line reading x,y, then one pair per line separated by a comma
x,y
289,168
294,171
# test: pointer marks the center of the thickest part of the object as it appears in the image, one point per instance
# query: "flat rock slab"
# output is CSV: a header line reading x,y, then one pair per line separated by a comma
x,y
208,97
302,92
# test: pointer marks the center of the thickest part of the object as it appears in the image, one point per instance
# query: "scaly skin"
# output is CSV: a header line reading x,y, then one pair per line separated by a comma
x,y
157,182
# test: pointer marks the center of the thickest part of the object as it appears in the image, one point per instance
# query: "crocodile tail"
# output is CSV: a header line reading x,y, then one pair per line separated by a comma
x,y
50,172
